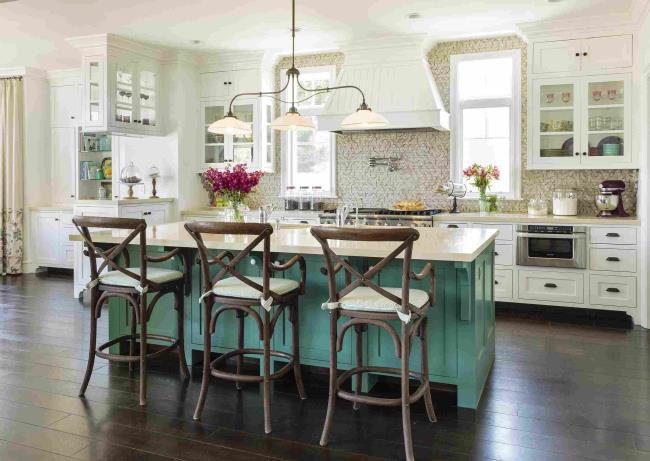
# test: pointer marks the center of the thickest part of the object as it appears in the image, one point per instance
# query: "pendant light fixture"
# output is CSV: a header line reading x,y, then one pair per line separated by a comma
x,y
363,118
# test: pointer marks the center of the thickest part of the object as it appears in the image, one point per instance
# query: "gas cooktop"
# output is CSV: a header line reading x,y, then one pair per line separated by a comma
x,y
389,212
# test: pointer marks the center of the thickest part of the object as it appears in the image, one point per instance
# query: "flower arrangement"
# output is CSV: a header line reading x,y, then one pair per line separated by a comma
x,y
482,179
234,184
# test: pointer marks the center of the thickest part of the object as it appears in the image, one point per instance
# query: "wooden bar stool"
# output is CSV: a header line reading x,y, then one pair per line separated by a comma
x,y
131,284
366,303
233,291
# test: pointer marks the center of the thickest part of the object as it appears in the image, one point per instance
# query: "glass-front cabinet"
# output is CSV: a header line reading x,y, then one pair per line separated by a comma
x,y
581,122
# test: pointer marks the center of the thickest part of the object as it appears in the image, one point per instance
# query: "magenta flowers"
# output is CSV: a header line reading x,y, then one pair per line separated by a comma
x,y
233,183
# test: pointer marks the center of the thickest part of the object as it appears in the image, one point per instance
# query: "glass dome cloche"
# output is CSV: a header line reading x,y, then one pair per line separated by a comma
x,y
131,176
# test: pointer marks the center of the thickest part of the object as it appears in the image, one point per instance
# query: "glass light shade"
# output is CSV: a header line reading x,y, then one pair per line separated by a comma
x,y
363,119
230,125
292,121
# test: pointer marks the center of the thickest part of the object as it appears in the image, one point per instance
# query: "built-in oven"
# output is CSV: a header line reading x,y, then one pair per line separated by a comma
x,y
552,246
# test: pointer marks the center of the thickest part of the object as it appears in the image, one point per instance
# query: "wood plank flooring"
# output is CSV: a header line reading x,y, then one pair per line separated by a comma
x,y
557,392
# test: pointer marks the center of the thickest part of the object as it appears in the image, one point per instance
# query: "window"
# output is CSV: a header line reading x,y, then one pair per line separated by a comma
x,y
308,157
486,120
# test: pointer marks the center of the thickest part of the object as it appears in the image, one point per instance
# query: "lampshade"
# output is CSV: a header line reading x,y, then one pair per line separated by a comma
x,y
292,121
362,119
230,125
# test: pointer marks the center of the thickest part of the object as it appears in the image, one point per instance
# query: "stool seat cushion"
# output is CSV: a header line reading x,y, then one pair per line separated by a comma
x,y
235,288
367,299
155,274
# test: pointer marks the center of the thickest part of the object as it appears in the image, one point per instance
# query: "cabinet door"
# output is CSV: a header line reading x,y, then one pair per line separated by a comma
x,y
606,121
556,122
154,214
123,101
135,212
243,146
63,164
47,237
558,56
243,81
66,246
65,104
94,92
601,53
148,90
214,151
214,85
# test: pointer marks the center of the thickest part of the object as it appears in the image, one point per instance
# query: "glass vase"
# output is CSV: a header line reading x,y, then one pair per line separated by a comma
x,y
483,205
235,212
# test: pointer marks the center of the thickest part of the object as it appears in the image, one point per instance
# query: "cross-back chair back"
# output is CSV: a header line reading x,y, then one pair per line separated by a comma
x,y
354,278
261,233
110,258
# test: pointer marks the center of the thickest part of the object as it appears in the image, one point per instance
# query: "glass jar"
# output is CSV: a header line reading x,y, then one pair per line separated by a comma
x,y
290,199
537,207
565,202
316,198
304,198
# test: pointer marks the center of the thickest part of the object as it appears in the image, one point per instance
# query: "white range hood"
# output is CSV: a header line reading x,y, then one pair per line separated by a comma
x,y
396,79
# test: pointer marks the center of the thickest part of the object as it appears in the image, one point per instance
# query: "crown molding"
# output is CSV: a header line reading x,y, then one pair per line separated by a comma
x,y
112,41
64,76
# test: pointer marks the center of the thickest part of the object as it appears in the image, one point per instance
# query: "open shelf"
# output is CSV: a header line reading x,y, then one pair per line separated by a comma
x,y
549,109
606,106
555,133
607,132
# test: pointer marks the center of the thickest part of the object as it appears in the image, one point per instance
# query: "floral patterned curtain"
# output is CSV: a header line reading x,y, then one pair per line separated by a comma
x,y
11,175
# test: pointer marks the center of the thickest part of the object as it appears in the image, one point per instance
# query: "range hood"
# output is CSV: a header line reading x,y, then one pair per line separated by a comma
x,y
397,81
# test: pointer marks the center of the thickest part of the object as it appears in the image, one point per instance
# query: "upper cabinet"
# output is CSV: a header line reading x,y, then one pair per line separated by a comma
x,y
587,55
219,84
120,85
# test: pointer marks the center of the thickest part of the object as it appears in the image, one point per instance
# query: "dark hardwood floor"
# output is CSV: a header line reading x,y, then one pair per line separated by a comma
x,y
557,392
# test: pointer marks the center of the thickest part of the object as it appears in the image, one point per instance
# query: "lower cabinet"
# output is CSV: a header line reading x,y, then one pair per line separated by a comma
x,y
542,285
50,242
503,284
612,290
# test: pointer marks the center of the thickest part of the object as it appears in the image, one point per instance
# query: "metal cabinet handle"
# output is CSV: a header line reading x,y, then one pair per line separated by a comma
x,y
613,290
496,282
550,285
585,53
584,153
56,219
452,226
612,234
71,195
577,153
613,259
496,253
147,213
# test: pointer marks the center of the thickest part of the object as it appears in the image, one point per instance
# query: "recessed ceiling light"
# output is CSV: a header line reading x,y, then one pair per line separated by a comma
x,y
414,15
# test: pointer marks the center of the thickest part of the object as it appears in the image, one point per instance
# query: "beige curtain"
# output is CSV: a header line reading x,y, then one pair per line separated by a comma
x,y
11,175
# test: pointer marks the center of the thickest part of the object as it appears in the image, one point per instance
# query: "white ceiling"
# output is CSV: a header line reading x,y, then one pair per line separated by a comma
x,y
32,32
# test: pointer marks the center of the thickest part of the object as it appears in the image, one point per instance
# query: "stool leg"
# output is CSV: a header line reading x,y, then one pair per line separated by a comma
x,y
143,349
331,402
267,372
425,370
205,380
132,340
240,345
359,335
406,409
180,318
93,341
295,339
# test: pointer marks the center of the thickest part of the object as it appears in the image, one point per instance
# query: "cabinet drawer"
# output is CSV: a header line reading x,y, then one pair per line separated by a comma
x,y
551,286
452,225
505,230
607,290
614,235
502,284
612,259
503,254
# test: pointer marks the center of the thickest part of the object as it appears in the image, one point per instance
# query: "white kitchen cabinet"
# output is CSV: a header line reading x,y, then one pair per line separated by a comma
x,y
50,231
612,290
610,235
612,259
226,84
503,254
503,284
581,123
452,225
549,285
65,106
220,150
121,85
588,55
152,214
63,171
505,230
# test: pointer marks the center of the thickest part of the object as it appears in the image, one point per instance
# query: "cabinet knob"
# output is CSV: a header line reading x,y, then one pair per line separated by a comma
x,y
71,195
585,53
496,282
584,153
72,117
225,83
577,54
577,153
229,83
56,219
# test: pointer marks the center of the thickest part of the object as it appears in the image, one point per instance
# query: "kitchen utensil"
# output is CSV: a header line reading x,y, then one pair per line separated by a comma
x,y
565,202
611,188
454,190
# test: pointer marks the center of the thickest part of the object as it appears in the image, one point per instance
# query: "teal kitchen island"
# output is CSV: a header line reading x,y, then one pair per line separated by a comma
x,y
461,324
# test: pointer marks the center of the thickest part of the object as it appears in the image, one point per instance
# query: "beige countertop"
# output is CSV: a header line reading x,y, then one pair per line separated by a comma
x,y
123,201
434,244
524,218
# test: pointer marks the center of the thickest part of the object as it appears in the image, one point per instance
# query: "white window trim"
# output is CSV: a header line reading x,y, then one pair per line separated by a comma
x,y
286,160
515,119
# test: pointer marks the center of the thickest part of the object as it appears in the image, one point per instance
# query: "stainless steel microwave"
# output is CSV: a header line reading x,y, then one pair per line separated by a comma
x,y
552,246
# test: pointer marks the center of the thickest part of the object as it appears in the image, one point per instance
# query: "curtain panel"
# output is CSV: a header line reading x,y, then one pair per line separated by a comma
x,y
11,175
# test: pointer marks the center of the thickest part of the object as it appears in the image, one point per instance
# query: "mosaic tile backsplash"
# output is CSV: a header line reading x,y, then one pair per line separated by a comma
x,y
424,155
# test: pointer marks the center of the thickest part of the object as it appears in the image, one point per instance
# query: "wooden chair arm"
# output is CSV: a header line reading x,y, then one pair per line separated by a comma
x,y
163,257
303,269
427,270
337,268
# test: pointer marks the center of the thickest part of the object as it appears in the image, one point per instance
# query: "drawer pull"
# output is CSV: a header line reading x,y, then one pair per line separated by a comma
x,y
452,226
612,234
613,290
496,253
496,282
550,285
613,259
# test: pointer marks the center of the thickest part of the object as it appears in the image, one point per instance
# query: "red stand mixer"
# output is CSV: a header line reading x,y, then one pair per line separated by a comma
x,y
610,200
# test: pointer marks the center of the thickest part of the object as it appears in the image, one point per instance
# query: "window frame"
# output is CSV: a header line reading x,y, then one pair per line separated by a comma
x,y
286,159
514,103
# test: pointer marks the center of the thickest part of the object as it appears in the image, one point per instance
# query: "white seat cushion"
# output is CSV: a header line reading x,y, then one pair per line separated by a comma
x,y
155,274
367,299
235,288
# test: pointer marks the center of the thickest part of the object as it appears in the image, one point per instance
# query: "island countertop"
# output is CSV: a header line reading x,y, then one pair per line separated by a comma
x,y
434,244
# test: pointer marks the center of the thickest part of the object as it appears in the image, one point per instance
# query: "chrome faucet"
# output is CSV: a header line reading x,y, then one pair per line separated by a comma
x,y
342,215
265,213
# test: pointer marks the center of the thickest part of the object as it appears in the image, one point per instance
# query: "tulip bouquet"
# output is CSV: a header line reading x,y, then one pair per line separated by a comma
x,y
234,184
482,177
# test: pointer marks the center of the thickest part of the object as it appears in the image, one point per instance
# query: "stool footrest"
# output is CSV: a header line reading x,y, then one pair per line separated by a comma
x,y
249,378
134,358
381,401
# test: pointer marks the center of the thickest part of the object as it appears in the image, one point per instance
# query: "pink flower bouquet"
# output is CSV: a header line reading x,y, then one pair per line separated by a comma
x,y
232,183
482,177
